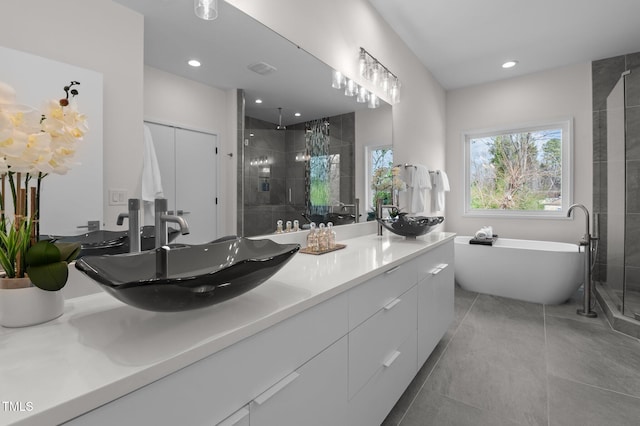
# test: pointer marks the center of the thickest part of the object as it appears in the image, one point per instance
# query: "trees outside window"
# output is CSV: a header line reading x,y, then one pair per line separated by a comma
x,y
519,171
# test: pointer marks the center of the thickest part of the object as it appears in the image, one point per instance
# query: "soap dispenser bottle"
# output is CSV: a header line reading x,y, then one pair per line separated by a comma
x,y
323,240
331,236
312,238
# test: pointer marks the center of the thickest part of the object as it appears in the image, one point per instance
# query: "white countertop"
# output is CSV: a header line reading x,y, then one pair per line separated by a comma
x,y
101,349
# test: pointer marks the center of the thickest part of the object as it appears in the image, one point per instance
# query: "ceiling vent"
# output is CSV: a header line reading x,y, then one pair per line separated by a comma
x,y
262,68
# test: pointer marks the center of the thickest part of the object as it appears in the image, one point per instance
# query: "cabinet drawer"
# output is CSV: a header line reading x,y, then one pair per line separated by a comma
x,y
375,342
371,405
313,395
371,296
239,418
210,390
435,258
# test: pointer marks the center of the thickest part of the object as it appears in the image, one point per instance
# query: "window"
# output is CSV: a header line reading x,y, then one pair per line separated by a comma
x,y
522,171
379,177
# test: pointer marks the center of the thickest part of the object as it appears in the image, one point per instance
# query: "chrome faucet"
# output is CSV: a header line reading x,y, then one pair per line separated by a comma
x,y
161,221
379,208
586,243
134,224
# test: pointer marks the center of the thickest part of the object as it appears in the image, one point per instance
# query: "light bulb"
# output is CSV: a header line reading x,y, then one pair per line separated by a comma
x,y
206,9
362,96
338,80
351,88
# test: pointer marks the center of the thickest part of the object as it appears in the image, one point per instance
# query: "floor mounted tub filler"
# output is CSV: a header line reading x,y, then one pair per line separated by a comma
x,y
533,271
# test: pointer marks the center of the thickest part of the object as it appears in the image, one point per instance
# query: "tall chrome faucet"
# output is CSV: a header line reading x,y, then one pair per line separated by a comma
x,y
134,224
161,221
586,243
379,208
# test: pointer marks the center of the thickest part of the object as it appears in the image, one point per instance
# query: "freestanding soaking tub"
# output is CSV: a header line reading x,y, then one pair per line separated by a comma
x,y
533,271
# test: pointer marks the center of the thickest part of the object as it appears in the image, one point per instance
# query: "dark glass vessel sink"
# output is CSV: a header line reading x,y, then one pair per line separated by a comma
x,y
411,226
101,242
186,277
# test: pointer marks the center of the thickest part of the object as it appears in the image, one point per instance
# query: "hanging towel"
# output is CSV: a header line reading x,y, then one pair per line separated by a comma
x,y
440,186
420,182
151,180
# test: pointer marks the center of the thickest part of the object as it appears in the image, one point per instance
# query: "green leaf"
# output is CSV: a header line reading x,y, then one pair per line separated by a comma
x,y
51,277
68,251
43,253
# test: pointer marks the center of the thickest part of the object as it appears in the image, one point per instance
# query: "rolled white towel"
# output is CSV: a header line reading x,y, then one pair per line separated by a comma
x,y
485,232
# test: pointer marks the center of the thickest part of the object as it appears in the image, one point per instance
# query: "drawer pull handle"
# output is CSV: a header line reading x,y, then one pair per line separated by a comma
x,y
439,268
264,396
392,270
391,359
235,417
391,304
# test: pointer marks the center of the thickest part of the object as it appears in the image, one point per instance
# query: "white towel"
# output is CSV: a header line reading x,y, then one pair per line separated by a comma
x,y
484,233
440,186
151,179
420,182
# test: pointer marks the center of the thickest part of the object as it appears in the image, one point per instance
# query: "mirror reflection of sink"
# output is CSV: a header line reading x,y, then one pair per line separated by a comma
x,y
411,226
102,242
186,277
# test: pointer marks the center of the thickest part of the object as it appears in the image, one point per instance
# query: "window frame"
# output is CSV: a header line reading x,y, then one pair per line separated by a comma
x,y
369,170
566,125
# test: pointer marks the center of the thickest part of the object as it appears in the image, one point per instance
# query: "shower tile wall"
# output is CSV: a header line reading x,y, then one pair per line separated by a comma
x,y
285,198
605,74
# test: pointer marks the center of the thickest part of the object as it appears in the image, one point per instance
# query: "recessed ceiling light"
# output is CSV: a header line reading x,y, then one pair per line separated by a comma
x,y
297,114
258,101
194,62
509,64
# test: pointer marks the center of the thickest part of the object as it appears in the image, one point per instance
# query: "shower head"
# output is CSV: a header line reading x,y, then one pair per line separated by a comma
x,y
280,126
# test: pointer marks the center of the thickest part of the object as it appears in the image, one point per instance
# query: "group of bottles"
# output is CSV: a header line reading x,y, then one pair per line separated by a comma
x,y
289,228
321,238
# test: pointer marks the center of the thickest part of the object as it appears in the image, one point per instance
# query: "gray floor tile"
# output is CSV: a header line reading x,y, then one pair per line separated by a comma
x,y
573,404
496,361
593,355
431,409
568,310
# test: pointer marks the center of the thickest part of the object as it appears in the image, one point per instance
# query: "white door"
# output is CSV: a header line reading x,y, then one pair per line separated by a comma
x,y
187,162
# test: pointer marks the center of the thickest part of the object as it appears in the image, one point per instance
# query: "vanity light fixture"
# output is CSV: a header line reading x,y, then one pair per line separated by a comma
x,y
509,64
372,70
206,9
338,80
194,63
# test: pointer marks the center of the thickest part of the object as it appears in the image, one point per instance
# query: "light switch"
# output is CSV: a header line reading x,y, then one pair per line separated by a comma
x,y
117,197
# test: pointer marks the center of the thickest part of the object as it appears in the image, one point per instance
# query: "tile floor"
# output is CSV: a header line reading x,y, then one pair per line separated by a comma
x,y
506,362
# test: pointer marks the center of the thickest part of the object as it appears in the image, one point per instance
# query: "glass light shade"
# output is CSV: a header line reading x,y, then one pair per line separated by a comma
x,y
362,96
374,101
375,73
338,80
362,64
394,92
385,81
351,88
206,9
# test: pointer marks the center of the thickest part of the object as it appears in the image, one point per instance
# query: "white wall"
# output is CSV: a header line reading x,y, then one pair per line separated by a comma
x,y
559,93
173,100
334,31
102,36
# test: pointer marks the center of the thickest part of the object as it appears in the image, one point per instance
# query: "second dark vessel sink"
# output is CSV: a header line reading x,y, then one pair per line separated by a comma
x,y
102,242
411,226
186,277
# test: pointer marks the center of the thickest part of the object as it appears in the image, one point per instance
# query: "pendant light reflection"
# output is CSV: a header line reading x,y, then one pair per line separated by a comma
x,y
206,9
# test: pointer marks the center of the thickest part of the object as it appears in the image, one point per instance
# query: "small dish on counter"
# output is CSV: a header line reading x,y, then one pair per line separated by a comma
x,y
183,277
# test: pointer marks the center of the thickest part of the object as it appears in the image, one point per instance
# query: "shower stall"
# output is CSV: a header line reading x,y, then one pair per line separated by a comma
x,y
616,184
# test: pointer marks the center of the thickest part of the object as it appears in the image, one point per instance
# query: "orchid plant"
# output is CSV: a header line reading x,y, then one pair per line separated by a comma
x,y
33,144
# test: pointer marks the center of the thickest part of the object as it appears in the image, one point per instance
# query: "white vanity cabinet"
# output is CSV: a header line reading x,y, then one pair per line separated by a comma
x,y
344,361
212,389
435,298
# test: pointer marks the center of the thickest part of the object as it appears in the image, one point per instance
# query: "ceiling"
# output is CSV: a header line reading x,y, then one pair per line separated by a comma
x,y
464,42
226,46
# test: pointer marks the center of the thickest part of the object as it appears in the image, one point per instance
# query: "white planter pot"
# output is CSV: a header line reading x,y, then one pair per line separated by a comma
x,y
21,307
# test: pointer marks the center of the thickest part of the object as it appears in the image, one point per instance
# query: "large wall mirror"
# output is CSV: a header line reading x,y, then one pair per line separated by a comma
x,y
300,151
